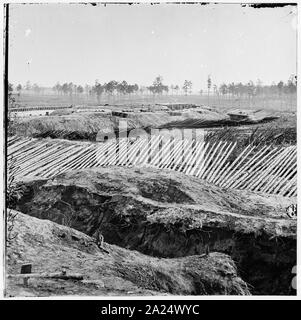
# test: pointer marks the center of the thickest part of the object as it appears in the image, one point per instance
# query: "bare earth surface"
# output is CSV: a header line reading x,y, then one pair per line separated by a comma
x,y
168,215
49,247
87,124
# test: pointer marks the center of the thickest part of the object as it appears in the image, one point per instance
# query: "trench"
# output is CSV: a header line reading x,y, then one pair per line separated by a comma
x,y
232,129
264,263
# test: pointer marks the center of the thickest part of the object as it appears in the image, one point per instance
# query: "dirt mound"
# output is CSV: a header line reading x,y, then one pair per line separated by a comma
x,y
86,125
168,214
49,247
73,126
164,190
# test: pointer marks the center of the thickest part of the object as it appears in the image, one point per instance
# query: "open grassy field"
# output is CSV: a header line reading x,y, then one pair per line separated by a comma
x,y
285,103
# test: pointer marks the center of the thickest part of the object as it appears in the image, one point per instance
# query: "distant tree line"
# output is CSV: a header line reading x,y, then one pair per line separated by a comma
x,y
123,88
251,89
28,87
110,88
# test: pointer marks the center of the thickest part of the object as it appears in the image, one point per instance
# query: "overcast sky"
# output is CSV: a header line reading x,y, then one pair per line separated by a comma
x,y
81,43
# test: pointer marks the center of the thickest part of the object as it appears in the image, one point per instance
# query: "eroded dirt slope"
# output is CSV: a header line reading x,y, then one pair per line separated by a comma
x,y
49,247
169,214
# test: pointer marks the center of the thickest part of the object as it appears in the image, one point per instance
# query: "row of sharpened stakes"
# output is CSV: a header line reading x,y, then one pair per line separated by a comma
x,y
263,169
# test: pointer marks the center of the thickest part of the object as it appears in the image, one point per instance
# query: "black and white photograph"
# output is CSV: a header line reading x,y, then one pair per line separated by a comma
x,y
149,149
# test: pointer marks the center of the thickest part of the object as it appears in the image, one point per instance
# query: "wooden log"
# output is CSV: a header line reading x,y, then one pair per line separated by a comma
x,y
257,169
176,148
19,146
54,275
122,153
157,160
191,157
35,160
224,158
287,181
78,162
219,156
283,173
108,154
154,148
91,154
145,151
264,175
267,170
208,159
99,150
279,168
184,155
196,157
122,150
69,165
26,155
235,164
62,163
242,170
29,149
134,150
52,160
166,157
200,159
